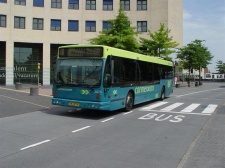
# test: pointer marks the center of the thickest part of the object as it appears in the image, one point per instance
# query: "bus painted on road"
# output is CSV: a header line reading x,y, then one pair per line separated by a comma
x,y
106,78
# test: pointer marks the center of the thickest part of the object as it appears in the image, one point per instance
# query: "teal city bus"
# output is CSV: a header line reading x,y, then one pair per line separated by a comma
x,y
106,78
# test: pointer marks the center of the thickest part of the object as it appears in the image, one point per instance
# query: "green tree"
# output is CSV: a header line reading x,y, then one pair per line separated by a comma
x,y
203,57
220,66
119,35
185,56
159,44
195,56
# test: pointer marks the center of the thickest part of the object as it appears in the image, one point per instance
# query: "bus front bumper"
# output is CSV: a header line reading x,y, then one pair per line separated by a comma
x,y
81,104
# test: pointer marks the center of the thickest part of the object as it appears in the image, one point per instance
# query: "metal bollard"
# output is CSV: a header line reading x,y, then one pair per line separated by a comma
x,y
34,91
196,84
177,85
18,86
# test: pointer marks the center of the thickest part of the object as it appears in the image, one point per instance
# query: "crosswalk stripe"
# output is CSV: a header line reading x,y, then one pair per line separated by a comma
x,y
171,107
190,108
154,106
210,109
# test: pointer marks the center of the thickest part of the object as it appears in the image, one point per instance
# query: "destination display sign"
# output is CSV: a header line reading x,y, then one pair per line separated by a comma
x,y
81,52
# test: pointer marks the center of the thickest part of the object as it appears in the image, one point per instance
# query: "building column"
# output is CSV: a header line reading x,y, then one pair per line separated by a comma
x,y
9,67
46,63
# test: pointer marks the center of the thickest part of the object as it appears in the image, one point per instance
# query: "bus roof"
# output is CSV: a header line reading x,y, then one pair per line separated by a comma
x,y
123,53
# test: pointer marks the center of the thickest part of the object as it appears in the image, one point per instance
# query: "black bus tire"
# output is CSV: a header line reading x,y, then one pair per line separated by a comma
x,y
129,102
162,97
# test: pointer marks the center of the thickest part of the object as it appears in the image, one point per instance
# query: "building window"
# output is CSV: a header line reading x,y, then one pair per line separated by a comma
x,y
56,4
3,1
38,3
73,4
19,22
2,20
125,4
141,4
90,26
105,25
20,2
107,4
73,25
26,58
55,25
38,24
90,4
142,26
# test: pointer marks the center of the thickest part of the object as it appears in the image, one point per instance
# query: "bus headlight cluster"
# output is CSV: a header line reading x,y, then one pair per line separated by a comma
x,y
93,106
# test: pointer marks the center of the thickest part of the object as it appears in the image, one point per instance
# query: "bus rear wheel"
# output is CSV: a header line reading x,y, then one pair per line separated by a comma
x,y
129,102
162,97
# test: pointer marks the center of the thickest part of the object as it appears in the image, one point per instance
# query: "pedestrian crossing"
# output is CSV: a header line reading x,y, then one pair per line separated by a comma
x,y
179,107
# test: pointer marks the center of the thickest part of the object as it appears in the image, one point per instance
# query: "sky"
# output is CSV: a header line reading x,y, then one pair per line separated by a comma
x,y
205,20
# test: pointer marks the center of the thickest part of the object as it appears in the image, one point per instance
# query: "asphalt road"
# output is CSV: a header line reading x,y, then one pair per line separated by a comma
x,y
185,130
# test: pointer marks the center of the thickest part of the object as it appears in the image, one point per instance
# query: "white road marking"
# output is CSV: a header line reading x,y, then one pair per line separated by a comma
x,y
25,101
107,119
178,112
197,92
31,146
171,107
154,106
210,109
81,129
127,112
190,108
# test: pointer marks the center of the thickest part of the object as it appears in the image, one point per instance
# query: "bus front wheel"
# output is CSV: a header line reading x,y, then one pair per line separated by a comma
x,y
129,102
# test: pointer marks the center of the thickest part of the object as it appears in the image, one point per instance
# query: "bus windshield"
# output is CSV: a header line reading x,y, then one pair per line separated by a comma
x,y
78,72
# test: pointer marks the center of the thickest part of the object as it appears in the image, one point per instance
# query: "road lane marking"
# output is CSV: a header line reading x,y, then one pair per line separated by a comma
x,y
171,107
190,108
36,144
197,92
154,105
107,119
25,101
127,112
210,109
81,129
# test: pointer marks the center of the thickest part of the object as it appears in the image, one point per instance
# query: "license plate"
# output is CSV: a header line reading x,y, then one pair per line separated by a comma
x,y
74,104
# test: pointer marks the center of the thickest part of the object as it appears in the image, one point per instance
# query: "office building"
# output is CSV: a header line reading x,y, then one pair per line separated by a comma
x,y
32,30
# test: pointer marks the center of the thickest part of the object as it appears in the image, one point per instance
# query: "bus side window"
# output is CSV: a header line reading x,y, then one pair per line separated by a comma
x,y
116,73
150,73
156,74
143,66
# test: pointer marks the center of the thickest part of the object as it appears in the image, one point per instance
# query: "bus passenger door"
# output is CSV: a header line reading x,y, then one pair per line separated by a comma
x,y
112,84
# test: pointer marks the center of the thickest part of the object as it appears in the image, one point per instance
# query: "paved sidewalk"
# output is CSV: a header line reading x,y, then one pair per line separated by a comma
x,y
26,88
47,90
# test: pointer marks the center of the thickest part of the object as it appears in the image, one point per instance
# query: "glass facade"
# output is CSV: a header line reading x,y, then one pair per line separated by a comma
x,y
26,59
2,62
